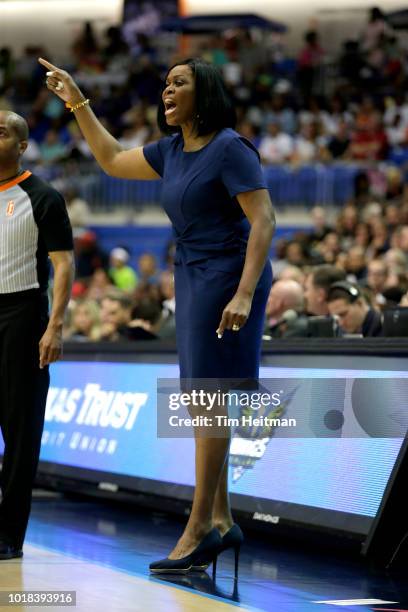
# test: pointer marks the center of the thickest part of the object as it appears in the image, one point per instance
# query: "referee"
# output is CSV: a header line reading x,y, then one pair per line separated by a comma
x,y
34,225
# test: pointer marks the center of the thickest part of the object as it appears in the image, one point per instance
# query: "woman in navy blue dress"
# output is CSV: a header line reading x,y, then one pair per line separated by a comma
x,y
215,195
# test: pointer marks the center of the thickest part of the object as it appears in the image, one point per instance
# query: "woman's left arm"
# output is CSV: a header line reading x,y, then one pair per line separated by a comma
x,y
258,208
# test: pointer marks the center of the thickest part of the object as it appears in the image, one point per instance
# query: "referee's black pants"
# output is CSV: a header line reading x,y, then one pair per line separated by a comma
x,y
23,394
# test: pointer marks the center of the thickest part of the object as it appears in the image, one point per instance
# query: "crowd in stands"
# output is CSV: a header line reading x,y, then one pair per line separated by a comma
x,y
365,249
111,301
353,269
314,108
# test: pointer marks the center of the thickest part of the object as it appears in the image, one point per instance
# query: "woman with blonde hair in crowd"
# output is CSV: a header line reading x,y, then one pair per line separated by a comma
x,y
85,322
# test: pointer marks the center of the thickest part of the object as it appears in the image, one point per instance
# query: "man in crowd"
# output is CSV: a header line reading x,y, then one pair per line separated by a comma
x,y
116,314
377,273
284,295
317,286
346,302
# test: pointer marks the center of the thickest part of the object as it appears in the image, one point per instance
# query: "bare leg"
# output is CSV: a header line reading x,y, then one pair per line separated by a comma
x,y
210,460
222,517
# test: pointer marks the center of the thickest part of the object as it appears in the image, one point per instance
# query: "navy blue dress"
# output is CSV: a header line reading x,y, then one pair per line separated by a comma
x,y
211,232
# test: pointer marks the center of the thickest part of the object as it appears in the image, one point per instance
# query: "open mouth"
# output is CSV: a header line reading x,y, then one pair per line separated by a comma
x,y
169,106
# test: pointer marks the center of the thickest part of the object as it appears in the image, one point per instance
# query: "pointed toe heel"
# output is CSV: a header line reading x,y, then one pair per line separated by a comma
x,y
207,548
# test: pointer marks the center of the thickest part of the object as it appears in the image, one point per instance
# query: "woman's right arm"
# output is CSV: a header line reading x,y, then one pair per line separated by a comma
x,y
112,158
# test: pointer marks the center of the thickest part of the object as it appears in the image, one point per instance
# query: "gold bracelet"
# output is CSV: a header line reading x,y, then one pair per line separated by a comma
x,y
77,106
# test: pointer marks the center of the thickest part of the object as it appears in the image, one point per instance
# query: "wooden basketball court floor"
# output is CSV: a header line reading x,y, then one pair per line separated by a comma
x,y
102,552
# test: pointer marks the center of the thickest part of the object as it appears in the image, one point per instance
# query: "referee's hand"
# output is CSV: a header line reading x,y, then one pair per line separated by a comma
x,y
50,346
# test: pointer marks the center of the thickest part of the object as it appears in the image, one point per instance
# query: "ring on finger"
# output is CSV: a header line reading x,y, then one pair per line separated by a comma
x,y
235,327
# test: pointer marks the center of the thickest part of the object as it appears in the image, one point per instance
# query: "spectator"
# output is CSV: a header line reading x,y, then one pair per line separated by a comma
x,y
351,63
77,208
321,226
380,242
403,239
362,235
338,118
250,131
145,323
377,276
86,50
310,62
276,147
356,265
318,283
368,140
329,247
395,184
136,129
306,148
371,213
99,285
284,295
397,282
295,253
89,255
377,28
292,273
115,48
123,276
346,302
85,321
52,149
347,221
79,149
147,265
278,111
339,144
396,260
116,311
392,217
362,189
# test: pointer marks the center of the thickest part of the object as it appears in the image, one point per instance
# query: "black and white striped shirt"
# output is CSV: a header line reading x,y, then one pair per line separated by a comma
x,y
33,222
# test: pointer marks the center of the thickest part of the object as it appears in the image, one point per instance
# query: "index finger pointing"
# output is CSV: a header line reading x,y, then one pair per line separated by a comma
x,y
222,326
47,64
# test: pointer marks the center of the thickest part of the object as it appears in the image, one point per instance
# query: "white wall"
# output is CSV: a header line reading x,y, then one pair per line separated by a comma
x,y
53,23
336,19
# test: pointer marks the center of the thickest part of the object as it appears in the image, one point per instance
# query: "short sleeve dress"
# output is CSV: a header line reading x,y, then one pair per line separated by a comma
x,y
211,232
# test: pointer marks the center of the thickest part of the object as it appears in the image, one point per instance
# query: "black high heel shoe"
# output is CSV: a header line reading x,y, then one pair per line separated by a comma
x,y
208,547
233,538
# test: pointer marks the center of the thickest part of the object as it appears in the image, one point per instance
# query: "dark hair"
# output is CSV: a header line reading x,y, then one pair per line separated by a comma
x,y
213,106
148,310
376,13
344,290
325,275
311,37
